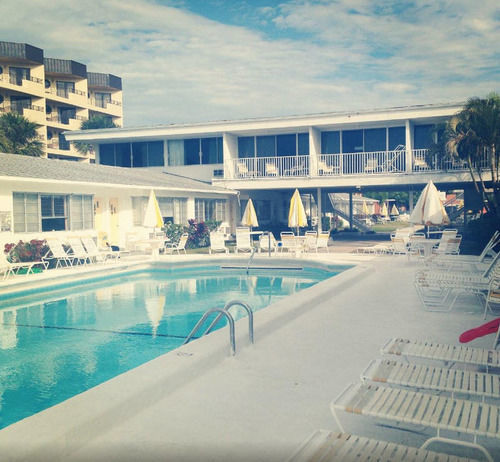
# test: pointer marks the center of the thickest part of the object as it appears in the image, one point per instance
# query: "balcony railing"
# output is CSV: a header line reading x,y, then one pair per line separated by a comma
x,y
19,108
359,163
104,103
64,92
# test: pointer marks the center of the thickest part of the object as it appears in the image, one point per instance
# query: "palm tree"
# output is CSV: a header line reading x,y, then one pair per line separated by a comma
x,y
19,136
94,123
473,136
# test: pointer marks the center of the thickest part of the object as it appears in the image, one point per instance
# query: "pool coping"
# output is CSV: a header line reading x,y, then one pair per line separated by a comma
x,y
71,424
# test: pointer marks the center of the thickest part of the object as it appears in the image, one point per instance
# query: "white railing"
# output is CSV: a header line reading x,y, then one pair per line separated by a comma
x,y
352,163
271,167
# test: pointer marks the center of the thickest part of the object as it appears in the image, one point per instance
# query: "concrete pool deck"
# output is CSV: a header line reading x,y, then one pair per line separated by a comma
x,y
199,403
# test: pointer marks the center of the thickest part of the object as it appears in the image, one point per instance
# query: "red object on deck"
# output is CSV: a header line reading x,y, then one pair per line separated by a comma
x,y
490,327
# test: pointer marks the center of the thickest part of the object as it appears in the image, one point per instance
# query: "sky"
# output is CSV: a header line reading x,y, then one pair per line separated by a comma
x,y
185,61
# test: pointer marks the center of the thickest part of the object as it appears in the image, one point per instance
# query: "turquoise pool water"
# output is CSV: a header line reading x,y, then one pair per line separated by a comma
x,y
59,343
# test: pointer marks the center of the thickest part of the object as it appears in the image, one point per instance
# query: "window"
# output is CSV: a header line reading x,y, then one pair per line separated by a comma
x,y
246,146
330,142
64,88
18,74
173,210
266,146
210,209
141,154
18,103
303,144
422,136
49,212
81,212
352,141
286,145
375,139
192,152
397,136
102,99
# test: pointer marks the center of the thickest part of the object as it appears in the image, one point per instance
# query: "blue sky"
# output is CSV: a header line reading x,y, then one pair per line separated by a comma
x,y
202,60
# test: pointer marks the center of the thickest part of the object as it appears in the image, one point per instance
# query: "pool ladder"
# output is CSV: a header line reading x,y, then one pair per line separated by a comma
x,y
230,321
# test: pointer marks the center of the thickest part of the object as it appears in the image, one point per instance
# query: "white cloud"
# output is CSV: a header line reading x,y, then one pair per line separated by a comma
x,y
180,67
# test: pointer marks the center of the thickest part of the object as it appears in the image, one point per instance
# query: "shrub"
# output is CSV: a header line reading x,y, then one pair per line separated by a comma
x,y
33,250
173,232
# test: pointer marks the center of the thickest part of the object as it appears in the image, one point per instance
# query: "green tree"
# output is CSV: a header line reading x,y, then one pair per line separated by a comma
x,y
473,136
19,136
94,123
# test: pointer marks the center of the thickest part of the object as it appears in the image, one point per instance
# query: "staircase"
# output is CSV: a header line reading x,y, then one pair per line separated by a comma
x,y
357,223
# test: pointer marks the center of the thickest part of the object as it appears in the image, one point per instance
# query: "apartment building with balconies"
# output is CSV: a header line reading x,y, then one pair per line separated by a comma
x,y
56,94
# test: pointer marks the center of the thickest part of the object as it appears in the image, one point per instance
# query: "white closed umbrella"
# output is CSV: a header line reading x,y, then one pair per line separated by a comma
x,y
249,216
429,209
394,210
152,217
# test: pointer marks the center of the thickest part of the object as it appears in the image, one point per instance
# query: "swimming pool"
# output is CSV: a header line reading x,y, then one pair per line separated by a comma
x,y
68,338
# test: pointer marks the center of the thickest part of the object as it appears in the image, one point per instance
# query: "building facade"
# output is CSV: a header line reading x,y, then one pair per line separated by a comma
x,y
56,94
320,154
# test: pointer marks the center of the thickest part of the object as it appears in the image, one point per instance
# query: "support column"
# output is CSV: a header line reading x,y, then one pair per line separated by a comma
x,y
409,146
350,211
410,201
320,211
314,150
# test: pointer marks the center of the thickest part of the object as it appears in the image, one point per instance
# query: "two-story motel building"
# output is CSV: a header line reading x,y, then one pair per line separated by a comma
x,y
267,158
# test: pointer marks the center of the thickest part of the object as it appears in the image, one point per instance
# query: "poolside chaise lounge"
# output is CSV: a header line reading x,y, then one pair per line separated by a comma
x,y
442,352
7,268
78,251
322,242
57,252
267,242
404,406
327,446
432,377
95,254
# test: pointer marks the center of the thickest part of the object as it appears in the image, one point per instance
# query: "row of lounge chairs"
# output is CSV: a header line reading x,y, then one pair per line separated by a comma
x,y
415,394
446,278
79,250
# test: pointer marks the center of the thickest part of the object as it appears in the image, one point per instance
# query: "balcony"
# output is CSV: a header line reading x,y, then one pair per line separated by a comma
x,y
30,111
31,85
111,107
71,123
67,95
340,165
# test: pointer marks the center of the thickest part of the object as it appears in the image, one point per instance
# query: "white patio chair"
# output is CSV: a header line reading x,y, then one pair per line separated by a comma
x,y
243,171
414,247
289,242
398,246
271,169
311,241
372,166
57,252
325,169
243,240
178,247
448,246
217,243
322,241
267,242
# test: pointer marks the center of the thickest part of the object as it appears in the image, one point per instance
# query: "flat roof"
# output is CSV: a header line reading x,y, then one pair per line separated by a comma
x,y
267,123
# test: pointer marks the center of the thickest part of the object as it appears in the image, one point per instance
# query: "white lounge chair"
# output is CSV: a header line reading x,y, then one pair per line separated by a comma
x,y
325,169
311,241
57,252
243,241
217,243
95,254
179,246
271,169
322,241
438,289
78,251
442,352
289,242
7,268
432,377
403,406
327,446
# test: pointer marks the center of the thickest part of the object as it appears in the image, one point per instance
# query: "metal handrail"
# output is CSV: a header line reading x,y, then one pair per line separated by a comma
x,y
222,312
226,308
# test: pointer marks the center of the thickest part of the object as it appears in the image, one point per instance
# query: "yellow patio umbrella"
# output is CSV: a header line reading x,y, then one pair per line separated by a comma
x,y
365,209
297,217
249,216
384,211
394,210
152,217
